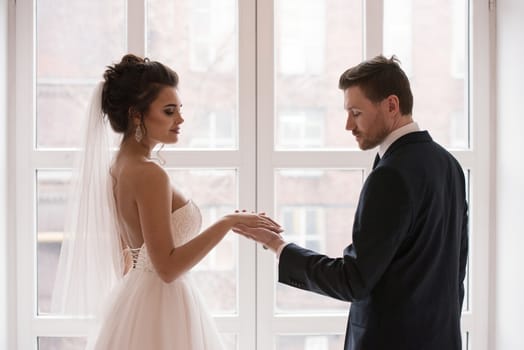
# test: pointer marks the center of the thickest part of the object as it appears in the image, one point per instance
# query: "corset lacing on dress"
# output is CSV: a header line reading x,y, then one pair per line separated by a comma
x,y
140,260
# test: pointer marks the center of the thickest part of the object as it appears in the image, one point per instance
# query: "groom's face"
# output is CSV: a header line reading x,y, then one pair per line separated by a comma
x,y
366,120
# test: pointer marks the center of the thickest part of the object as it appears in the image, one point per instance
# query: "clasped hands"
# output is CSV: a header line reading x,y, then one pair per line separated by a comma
x,y
266,232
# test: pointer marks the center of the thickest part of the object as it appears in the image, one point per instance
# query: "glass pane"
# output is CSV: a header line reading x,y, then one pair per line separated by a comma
x,y
61,109
201,46
312,49
65,343
310,342
315,216
438,73
215,193
76,40
52,192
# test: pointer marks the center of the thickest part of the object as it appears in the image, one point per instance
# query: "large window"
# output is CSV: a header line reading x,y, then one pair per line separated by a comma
x,y
264,130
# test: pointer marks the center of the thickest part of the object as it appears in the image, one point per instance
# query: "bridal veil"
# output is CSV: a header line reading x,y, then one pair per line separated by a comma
x,y
91,256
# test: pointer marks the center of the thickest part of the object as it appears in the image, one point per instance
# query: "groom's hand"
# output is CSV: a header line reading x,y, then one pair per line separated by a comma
x,y
268,238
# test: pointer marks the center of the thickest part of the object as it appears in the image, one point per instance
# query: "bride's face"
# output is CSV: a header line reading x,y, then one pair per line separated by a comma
x,y
164,116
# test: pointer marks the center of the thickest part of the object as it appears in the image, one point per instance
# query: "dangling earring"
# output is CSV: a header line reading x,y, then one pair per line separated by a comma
x,y
138,134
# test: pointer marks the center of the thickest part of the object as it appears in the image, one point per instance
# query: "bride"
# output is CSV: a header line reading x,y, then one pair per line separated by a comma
x,y
155,228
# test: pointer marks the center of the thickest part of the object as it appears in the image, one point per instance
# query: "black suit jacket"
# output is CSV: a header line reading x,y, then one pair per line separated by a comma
x,y
405,269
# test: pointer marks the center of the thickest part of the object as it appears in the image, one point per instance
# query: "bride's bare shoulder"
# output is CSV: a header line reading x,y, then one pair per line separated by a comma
x,y
140,173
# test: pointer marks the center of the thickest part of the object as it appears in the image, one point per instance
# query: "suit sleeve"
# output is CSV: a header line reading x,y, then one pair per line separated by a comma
x,y
464,246
382,220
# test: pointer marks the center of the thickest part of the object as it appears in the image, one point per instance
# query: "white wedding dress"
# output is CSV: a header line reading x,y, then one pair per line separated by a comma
x,y
144,312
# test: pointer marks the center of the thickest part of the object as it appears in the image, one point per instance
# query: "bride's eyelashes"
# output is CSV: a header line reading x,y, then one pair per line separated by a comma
x,y
172,109
169,112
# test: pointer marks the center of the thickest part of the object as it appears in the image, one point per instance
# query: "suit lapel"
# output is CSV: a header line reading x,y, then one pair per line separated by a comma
x,y
375,162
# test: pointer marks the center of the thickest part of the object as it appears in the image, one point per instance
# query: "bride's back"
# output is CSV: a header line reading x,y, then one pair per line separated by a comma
x,y
128,174
125,174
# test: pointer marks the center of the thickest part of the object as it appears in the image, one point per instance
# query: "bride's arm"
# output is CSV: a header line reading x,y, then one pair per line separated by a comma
x,y
153,196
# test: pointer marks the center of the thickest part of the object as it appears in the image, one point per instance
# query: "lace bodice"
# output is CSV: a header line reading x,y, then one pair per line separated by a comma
x,y
185,224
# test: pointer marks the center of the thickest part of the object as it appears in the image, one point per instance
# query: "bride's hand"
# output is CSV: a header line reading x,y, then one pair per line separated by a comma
x,y
254,221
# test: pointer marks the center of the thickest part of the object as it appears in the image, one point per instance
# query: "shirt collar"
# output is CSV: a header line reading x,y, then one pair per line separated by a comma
x,y
395,135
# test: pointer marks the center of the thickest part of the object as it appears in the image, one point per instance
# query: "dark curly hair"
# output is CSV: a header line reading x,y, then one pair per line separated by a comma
x,y
378,78
131,86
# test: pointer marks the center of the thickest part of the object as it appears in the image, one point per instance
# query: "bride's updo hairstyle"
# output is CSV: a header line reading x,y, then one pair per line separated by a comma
x,y
130,87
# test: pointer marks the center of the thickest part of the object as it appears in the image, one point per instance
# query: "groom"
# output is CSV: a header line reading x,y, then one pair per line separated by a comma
x,y
404,272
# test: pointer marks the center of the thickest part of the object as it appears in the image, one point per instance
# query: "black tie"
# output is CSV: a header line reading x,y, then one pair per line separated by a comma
x,y
375,162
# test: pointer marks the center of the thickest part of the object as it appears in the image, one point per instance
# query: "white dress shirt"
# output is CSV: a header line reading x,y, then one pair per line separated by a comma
x,y
395,135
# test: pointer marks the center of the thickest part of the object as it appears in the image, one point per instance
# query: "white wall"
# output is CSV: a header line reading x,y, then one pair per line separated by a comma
x,y
3,175
509,227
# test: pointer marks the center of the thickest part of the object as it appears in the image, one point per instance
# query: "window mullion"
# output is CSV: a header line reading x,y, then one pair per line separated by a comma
x,y
373,27
480,92
246,135
7,174
25,174
265,167
136,27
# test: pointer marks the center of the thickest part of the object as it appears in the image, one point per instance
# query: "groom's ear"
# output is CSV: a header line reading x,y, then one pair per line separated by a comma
x,y
392,104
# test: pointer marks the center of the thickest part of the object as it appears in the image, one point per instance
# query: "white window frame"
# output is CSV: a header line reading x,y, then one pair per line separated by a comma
x,y
256,324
